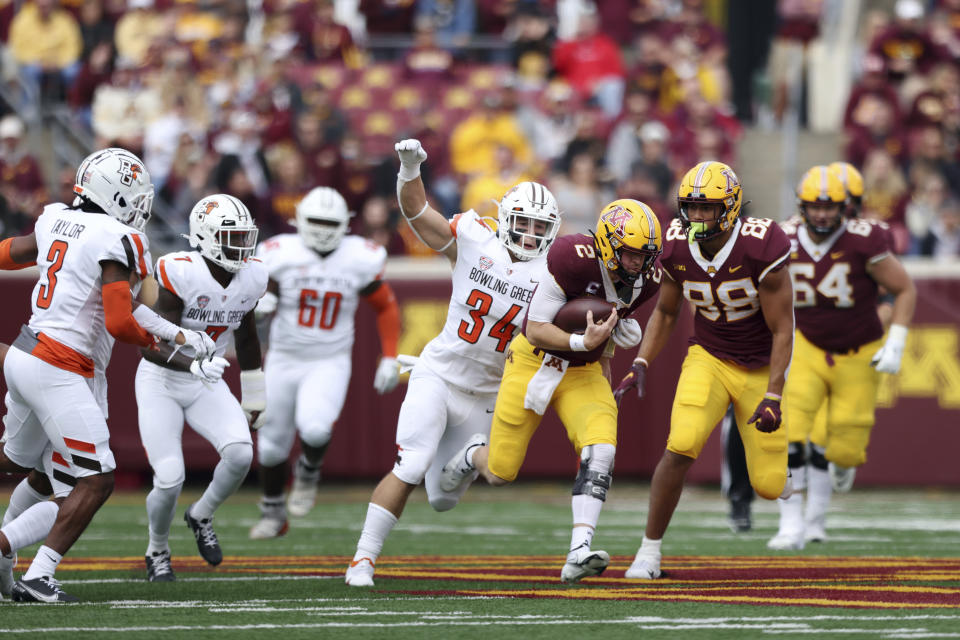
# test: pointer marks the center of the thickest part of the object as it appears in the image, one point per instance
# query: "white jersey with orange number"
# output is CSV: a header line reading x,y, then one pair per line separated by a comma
x,y
208,306
71,244
490,296
318,295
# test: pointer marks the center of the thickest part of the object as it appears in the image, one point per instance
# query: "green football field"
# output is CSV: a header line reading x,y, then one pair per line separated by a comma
x,y
491,568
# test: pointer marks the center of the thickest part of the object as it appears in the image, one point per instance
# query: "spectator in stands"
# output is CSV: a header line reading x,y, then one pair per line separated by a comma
x,y
45,42
942,242
474,142
388,16
483,191
122,107
799,22
95,71
95,26
592,64
929,148
454,20
929,195
906,47
581,194
687,73
553,124
872,88
625,145
642,184
242,141
137,30
531,37
189,180
427,63
323,39
882,131
885,195
932,106
21,179
291,181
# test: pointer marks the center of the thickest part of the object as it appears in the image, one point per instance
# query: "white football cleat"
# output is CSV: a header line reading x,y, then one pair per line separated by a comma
x,y
583,562
841,477
646,566
7,563
815,532
266,528
303,495
458,468
360,573
787,541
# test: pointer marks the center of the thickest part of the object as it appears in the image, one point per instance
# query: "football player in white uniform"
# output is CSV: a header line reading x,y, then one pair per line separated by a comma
x,y
87,253
212,289
317,277
453,386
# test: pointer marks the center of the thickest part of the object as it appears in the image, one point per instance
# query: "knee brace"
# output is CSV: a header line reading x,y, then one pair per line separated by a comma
x,y
595,473
237,455
168,473
796,455
817,458
411,465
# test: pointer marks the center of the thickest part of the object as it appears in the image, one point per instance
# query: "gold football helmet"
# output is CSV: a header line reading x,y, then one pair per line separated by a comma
x,y
710,182
853,182
628,226
820,185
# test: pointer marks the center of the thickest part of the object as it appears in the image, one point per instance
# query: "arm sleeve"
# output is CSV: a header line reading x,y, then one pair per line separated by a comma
x,y
388,318
118,316
153,323
6,260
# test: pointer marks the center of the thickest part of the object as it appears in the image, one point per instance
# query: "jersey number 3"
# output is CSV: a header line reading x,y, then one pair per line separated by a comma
x,y
55,256
502,330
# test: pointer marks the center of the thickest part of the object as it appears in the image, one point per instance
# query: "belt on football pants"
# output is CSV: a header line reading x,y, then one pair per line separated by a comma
x,y
537,351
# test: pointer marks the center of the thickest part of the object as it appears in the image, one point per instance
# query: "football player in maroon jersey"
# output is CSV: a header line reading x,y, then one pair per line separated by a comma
x,y
731,269
836,265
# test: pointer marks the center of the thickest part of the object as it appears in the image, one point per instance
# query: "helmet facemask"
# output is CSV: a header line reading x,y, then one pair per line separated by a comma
x,y
700,230
821,229
322,219
528,215
709,182
222,229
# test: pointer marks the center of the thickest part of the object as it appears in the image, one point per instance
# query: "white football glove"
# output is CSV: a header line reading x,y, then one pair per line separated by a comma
x,y
387,375
202,344
627,333
407,363
887,358
210,369
267,304
412,156
253,394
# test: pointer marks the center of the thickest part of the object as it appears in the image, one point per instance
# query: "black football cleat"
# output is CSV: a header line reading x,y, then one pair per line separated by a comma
x,y
44,589
740,516
159,568
207,542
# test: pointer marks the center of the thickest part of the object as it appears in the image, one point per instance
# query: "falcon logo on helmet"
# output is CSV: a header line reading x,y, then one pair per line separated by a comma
x,y
116,181
628,226
823,187
223,231
528,220
322,219
710,182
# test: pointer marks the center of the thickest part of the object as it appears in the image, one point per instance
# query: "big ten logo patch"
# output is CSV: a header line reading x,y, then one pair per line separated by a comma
x,y
422,321
930,368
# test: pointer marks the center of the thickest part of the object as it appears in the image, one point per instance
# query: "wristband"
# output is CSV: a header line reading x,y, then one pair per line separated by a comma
x,y
576,342
408,173
639,360
772,396
897,333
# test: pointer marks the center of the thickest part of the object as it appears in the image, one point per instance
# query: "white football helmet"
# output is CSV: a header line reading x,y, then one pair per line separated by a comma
x,y
222,229
116,181
520,211
322,219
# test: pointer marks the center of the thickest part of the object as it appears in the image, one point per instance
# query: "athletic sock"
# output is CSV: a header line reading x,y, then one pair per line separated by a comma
x,y
23,497
31,526
161,509
376,528
586,512
44,564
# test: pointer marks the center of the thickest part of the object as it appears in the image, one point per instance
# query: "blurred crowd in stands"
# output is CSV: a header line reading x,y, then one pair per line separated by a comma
x,y
264,99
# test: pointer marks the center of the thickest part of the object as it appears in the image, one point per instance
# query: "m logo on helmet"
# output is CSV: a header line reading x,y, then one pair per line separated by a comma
x,y
129,171
731,179
617,218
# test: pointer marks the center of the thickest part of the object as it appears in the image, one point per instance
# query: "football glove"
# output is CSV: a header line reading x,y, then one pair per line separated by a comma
x,y
627,333
253,394
887,358
412,156
388,373
767,416
267,304
209,369
636,378
202,344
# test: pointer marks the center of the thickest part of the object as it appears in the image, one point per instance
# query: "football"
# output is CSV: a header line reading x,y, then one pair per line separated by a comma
x,y
572,316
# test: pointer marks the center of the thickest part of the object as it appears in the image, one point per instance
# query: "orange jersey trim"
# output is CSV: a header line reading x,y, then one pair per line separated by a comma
x,y
6,260
62,357
80,445
57,458
141,263
162,268
454,221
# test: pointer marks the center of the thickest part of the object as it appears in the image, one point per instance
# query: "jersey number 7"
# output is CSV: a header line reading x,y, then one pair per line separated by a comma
x,y
502,330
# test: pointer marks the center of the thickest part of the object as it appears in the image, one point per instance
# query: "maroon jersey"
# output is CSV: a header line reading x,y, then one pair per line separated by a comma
x,y
835,300
725,290
574,265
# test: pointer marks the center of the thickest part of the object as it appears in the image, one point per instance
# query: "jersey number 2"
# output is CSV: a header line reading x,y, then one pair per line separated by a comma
x,y
55,256
502,330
